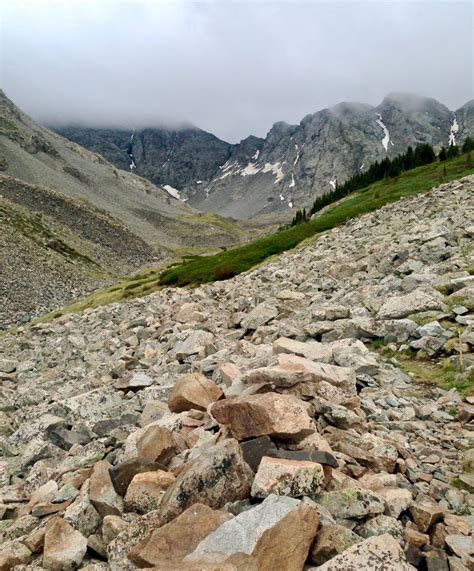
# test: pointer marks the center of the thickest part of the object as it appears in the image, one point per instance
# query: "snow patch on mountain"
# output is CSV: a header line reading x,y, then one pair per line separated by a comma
x,y
275,169
333,183
250,169
386,138
453,130
292,183
174,192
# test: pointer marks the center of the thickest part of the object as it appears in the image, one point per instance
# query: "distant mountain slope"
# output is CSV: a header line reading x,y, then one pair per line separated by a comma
x,y
294,163
70,221
54,249
38,156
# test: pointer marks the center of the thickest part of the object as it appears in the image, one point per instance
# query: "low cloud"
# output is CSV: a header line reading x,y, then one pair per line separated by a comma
x,y
232,68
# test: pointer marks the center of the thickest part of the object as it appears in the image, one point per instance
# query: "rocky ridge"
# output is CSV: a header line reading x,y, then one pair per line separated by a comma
x,y
292,165
248,424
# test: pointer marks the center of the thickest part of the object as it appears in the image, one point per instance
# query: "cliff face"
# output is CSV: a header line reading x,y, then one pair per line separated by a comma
x,y
293,164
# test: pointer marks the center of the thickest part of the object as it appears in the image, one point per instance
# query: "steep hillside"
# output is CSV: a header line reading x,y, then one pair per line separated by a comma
x,y
38,156
54,249
293,164
177,158
227,264
314,413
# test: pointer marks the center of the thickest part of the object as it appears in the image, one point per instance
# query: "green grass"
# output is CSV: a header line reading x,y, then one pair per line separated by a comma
x,y
127,288
431,372
227,264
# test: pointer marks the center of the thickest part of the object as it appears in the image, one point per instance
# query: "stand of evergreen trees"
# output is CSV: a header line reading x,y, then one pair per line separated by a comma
x,y
387,168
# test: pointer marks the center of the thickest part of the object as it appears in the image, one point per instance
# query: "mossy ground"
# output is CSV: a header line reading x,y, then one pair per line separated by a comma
x,y
431,372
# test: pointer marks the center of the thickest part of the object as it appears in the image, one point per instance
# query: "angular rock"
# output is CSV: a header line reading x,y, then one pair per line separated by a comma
x,y
259,316
64,547
283,477
156,444
425,513
170,543
282,416
146,491
278,530
102,493
381,553
197,341
218,476
312,350
122,474
193,391
351,503
331,540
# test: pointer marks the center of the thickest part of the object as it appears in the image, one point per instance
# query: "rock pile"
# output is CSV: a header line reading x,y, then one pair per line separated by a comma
x,y
247,424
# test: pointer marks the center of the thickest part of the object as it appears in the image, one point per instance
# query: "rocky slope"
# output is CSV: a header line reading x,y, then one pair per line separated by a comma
x,y
54,249
247,423
294,163
38,156
70,220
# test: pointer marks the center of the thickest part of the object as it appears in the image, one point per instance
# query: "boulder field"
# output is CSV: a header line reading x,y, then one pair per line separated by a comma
x,y
275,421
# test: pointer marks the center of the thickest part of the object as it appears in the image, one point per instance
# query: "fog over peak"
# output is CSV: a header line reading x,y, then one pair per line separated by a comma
x,y
231,68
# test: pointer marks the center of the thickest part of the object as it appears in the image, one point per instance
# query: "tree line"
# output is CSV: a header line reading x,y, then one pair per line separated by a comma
x,y
423,154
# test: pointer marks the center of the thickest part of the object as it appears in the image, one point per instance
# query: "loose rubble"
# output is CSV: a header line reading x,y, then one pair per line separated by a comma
x,y
232,427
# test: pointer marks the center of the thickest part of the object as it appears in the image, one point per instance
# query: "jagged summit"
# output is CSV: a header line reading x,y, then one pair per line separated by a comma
x,y
294,163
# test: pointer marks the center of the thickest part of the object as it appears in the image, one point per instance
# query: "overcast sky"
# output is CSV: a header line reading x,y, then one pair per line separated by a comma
x,y
230,67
